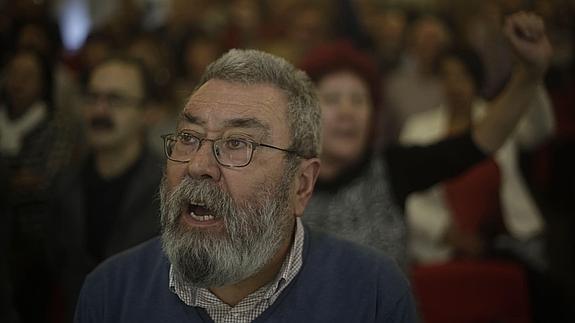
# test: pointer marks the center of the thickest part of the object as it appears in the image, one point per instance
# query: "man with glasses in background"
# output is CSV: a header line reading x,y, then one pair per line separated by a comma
x,y
241,168
109,203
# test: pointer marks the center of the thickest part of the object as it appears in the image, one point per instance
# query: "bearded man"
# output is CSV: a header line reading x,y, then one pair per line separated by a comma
x,y
242,165
241,168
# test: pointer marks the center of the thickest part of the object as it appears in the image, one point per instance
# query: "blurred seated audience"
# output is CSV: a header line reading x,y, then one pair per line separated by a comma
x,y
387,28
108,203
34,149
360,194
414,85
43,36
490,203
487,214
97,47
8,312
309,26
553,174
195,52
161,113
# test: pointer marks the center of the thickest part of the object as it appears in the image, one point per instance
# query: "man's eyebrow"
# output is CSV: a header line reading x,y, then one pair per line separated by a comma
x,y
191,119
249,123
245,123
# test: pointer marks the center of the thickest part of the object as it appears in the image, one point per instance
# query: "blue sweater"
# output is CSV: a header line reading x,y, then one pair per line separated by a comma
x,y
338,282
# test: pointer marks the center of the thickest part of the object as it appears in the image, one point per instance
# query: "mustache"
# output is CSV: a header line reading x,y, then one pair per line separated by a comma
x,y
102,123
194,191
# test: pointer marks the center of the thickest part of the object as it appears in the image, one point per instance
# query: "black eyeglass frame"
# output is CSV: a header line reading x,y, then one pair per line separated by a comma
x,y
254,145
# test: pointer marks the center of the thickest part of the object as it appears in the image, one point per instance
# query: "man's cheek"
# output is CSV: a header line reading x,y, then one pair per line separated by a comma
x,y
175,173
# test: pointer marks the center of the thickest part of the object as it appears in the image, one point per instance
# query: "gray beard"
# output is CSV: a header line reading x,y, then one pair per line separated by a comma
x,y
253,232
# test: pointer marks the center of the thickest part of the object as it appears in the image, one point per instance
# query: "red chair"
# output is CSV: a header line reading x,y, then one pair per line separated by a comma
x,y
472,291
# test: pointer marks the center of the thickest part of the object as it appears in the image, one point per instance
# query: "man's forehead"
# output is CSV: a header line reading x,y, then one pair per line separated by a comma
x,y
259,95
221,102
195,103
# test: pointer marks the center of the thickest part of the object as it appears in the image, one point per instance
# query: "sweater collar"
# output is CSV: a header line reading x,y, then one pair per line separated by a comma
x,y
251,305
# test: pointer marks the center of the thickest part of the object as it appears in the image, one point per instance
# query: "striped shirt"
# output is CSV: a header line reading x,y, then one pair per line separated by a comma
x,y
254,304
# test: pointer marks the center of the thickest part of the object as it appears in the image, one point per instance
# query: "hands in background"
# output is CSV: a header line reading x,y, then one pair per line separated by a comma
x,y
526,34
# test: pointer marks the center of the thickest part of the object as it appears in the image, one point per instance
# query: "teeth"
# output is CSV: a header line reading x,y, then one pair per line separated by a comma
x,y
198,203
201,217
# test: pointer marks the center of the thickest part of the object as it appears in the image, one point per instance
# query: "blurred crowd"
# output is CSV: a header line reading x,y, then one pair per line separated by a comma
x,y
80,146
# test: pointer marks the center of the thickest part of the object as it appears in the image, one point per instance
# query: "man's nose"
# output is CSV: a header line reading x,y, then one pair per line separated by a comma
x,y
203,164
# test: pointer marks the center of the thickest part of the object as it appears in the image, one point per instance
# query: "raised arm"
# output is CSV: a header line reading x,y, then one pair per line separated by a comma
x,y
538,124
526,35
414,168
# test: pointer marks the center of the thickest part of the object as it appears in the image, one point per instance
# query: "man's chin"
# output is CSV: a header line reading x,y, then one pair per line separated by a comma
x,y
197,263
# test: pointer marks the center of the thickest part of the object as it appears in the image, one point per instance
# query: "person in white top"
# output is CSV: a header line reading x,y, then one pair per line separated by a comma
x,y
431,231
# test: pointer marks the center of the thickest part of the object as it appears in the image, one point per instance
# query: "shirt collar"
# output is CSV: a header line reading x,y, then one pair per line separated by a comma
x,y
202,297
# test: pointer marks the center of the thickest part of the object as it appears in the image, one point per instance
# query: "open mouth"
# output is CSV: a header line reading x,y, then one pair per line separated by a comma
x,y
199,212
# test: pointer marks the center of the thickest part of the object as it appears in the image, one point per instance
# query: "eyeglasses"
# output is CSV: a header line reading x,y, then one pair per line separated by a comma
x,y
111,99
229,152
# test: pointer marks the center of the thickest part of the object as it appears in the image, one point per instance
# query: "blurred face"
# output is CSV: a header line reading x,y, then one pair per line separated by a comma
x,y
346,110
458,84
199,55
245,13
429,39
224,224
113,109
308,28
24,82
387,28
148,52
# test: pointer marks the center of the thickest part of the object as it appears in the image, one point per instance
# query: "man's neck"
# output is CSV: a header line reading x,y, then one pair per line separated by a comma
x,y
233,294
113,162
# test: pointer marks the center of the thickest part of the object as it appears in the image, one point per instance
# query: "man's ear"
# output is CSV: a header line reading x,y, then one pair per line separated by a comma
x,y
305,182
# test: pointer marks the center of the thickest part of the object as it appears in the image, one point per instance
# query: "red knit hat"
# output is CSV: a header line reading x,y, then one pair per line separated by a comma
x,y
339,56
342,56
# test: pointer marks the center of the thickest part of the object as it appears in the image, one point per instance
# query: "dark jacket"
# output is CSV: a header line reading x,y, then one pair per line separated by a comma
x,y
137,221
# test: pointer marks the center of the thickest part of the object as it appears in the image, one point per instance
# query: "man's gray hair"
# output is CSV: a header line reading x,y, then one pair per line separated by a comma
x,y
248,66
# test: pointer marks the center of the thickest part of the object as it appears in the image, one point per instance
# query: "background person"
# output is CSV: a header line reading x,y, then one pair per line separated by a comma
x,y
33,151
364,192
108,202
507,199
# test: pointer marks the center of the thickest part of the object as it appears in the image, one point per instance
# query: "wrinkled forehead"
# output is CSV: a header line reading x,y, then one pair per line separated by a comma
x,y
221,104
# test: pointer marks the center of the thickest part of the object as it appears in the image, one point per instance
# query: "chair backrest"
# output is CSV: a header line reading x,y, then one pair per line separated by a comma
x,y
472,291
